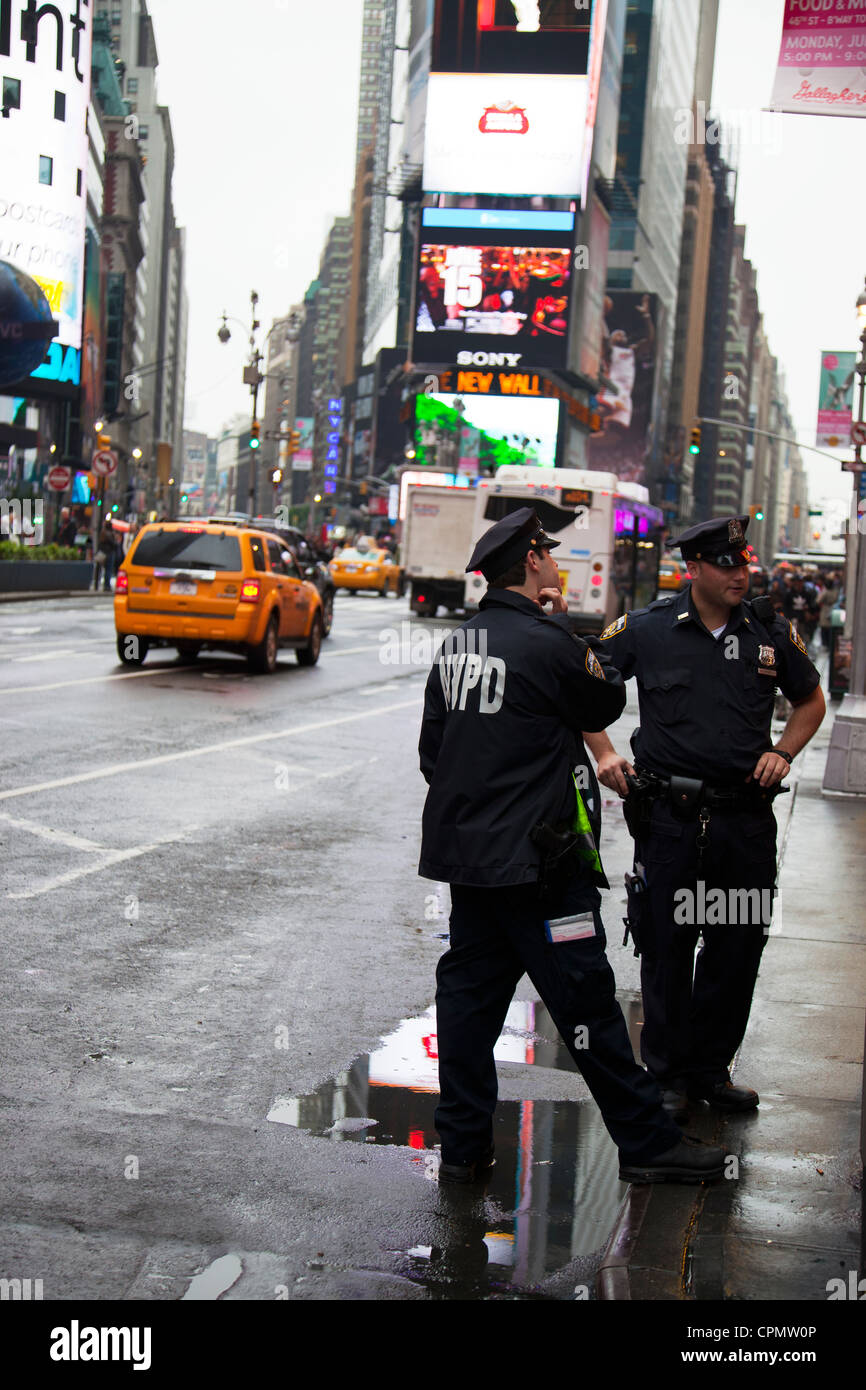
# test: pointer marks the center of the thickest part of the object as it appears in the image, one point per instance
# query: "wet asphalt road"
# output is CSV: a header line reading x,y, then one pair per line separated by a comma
x,y
212,905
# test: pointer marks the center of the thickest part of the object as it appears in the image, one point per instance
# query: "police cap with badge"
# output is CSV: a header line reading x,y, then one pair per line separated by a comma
x,y
721,542
509,541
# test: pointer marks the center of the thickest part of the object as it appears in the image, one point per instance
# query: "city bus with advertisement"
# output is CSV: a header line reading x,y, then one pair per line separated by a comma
x,y
610,537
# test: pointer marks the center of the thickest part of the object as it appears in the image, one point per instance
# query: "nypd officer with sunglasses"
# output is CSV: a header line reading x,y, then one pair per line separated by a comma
x,y
699,805
507,826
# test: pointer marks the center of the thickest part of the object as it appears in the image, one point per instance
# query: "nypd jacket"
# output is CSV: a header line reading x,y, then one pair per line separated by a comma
x,y
504,707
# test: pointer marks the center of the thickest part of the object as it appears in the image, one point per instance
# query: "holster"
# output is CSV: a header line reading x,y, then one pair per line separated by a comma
x,y
559,857
636,899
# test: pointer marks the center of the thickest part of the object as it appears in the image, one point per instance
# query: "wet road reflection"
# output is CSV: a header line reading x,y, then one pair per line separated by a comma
x,y
553,1194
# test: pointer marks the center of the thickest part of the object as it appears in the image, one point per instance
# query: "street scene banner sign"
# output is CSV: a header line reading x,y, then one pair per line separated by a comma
x,y
516,133
835,399
302,460
822,60
628,360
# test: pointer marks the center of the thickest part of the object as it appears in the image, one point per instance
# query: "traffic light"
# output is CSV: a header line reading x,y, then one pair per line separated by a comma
x,y
756,513
797,510
294,441
103,441
255,433
277,475
695,446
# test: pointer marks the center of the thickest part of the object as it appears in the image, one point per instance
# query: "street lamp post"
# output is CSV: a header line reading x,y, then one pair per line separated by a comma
x,y
846,759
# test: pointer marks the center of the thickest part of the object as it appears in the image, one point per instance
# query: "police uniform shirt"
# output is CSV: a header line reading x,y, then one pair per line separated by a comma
x,y
504,707
706,703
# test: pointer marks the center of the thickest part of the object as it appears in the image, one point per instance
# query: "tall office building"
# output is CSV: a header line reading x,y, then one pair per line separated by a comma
x,y
163,311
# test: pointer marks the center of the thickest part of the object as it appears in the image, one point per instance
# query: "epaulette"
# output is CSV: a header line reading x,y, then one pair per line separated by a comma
x,y
659,603
763,608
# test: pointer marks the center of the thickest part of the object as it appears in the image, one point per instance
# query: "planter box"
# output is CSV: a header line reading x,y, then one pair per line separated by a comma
x,y
29,576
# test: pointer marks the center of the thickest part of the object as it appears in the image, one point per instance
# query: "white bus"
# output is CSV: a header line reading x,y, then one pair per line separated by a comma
x,y
610,537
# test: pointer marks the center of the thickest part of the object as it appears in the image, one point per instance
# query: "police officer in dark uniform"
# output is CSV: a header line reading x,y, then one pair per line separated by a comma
x,y
505,824
699,804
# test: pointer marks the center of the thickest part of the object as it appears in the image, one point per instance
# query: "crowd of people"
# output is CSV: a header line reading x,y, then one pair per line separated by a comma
x,y
806,597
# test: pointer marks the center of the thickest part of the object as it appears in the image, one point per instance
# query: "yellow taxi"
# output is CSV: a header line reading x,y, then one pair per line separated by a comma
x,y
363,566
191,585
672,573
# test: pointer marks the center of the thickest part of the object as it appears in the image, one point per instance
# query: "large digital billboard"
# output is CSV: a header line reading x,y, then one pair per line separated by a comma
x,y
549,36
505,133
628,360
45,69
511,301
477,434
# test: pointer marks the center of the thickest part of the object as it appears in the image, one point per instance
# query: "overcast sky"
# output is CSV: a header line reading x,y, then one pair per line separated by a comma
x,y
263,101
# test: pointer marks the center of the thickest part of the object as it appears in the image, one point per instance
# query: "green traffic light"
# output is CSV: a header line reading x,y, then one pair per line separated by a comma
x,y
759,516
694,448
254,443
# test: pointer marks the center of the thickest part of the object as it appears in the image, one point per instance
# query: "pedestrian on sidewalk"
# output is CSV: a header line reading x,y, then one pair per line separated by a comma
x,y
506,825
707,665
105,556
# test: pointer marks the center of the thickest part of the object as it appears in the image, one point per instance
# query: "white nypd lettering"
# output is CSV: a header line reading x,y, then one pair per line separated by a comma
x,y
488,359
461,672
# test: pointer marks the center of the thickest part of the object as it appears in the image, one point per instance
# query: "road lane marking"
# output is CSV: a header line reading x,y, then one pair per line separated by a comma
x,y
116,769
59,837
113,857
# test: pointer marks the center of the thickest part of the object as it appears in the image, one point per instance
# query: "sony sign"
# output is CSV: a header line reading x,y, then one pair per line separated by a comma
x,y
45,53
488,359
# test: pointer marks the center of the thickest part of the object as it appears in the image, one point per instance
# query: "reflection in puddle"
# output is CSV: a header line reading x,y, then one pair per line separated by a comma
x,y
554,1191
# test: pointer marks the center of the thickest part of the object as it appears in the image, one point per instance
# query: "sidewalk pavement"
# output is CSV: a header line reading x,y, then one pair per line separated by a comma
x,y
14,596
791,1220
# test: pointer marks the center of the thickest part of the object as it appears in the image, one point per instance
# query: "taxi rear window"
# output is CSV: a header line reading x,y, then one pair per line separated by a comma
x,y
203,550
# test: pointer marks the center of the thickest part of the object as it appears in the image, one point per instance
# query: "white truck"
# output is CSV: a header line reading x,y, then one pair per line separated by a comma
x,y
436,544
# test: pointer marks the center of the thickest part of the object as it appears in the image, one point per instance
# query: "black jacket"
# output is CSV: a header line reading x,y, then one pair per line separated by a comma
x,y
504,708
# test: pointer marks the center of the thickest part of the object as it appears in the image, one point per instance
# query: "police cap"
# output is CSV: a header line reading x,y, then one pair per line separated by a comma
x,y
721,541
509,541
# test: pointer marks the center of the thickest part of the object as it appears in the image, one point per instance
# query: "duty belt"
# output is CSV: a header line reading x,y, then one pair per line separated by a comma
x,y
689,797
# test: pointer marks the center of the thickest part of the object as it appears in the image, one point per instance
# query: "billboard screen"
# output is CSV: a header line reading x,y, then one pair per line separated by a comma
x,y
628,359
549,36
43,155
517,134
508,300
475,434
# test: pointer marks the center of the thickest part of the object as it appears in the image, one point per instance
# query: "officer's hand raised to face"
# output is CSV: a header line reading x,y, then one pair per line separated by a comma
x,y
555,598
770,769
611,770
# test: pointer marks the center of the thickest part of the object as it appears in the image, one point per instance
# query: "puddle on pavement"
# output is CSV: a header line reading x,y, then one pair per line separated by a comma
x,y
214,1281
553,1193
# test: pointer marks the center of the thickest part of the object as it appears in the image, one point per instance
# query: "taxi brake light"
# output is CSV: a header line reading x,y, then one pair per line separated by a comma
x,y
121,584
250,591
196,530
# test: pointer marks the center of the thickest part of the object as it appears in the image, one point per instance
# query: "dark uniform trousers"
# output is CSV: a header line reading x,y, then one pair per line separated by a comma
x,y
696,1010
497,934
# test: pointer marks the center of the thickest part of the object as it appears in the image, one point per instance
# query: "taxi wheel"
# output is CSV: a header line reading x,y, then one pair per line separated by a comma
x,y
327,614
131,650
263,657
309,655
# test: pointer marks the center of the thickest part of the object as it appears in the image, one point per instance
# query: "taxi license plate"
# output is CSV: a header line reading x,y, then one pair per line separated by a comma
x,y
351,568
182,586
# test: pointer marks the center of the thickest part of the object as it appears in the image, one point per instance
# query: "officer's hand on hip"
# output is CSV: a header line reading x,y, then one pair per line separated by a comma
x,y
611,769
770,769
555,598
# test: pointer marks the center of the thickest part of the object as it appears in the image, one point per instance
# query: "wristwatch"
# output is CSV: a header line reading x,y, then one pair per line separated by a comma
x,y
789,757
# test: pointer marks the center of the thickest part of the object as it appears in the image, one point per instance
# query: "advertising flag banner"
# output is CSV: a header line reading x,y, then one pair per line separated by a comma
x,y
822,60
506,133
835,399
628,360
302,459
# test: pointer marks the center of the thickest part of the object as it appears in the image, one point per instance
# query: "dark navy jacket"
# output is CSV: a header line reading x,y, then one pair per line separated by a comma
x,y
706,703
504,708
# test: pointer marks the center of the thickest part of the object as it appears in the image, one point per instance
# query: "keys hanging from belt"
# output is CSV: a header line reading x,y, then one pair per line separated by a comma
x,y
703,838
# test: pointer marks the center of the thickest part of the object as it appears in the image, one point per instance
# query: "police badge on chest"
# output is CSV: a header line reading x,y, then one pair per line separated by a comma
x,y
766,660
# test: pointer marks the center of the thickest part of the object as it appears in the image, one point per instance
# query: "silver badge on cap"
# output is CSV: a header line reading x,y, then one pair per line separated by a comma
x,y
735,532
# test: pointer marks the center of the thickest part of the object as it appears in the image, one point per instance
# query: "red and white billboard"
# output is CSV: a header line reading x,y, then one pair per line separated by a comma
x,y
509,133
822,60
